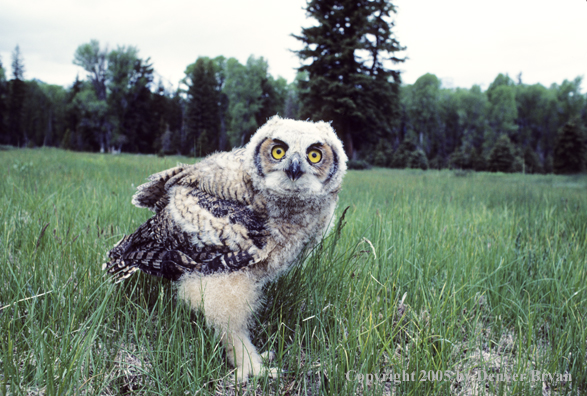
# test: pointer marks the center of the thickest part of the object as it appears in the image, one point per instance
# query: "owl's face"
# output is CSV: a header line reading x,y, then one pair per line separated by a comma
x,y
296,158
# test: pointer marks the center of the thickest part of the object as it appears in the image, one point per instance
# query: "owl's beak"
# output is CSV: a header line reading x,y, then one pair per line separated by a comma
x,y
294,172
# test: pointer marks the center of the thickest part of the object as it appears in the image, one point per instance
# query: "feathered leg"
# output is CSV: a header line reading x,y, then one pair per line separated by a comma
x,y
228,302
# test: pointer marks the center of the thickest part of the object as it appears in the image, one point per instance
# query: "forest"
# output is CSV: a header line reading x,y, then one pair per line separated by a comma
x,y
120,105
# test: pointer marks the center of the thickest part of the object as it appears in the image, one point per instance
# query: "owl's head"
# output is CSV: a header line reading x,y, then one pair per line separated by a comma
x,y
296,158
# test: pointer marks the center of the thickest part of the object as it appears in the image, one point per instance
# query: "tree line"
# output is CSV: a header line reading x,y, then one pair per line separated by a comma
x,y
346,77
509,127
119,106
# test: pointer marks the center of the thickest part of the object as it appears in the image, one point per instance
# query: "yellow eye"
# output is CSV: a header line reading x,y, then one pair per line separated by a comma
x,y
314,156
278,152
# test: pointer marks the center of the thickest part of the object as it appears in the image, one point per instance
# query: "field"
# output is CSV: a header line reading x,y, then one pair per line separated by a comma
x,y
464,283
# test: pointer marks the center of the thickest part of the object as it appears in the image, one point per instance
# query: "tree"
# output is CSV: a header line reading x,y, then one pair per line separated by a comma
x,y
17,94
532,161
72,119
292,105
43,113
92,112
537,118
274,93
4,135
17,64
203,107
120,79
422,103
129,97
220,65
569,99
502,156
244,89
503,111
472,108
94,61
166,108
570,150
408,155
348,81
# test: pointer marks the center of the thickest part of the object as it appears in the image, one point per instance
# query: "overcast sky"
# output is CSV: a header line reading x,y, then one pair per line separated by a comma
x,y
463,42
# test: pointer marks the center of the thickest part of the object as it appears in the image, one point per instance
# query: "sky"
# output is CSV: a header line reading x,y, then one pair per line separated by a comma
x,y
463,42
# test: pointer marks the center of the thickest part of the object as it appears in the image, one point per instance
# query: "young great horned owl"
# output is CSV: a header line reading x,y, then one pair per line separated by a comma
x,y
225,226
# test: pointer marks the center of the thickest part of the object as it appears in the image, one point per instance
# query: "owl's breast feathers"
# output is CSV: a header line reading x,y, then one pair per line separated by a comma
x,y
207,219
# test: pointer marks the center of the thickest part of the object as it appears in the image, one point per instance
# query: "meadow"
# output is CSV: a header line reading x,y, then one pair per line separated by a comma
x,y
468,283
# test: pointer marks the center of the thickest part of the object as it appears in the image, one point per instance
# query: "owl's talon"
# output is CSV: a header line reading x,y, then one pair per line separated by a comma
x,y
257,371
271,372
268,355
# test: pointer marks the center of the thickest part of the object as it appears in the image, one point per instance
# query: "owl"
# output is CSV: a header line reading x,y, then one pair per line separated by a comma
x,y
225,226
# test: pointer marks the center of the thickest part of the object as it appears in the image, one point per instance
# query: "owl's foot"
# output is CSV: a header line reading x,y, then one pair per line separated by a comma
x,y
256,369
269,356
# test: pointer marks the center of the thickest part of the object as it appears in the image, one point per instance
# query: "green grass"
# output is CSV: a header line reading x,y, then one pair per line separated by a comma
x,y
431,272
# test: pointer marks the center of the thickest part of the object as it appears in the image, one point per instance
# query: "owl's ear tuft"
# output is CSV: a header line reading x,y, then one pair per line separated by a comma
x,y
325,127
273,120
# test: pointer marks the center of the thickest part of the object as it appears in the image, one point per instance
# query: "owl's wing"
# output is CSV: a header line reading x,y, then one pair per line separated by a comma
x,y
220,175
160,248
209,225
153,195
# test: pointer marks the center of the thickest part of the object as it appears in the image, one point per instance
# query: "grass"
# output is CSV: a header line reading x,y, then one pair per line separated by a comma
x,y
432,273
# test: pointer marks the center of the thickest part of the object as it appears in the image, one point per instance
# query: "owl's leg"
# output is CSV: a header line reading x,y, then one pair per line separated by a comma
x,y
228,302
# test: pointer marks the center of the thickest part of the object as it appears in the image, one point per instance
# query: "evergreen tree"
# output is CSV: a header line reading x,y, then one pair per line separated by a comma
x,y
72,117
167,115
502,156
460,159
17,94
569,150
478,160
292,105
36,120
418,160
274,93
382,155
223,104
129,100
4,135
17,64
531,161
203,113
359,94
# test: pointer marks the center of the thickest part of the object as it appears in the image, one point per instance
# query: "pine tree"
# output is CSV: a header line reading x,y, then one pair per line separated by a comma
x,y
203,118
403,154
359,95
17,89
502,156
531,161
569,149
4,136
